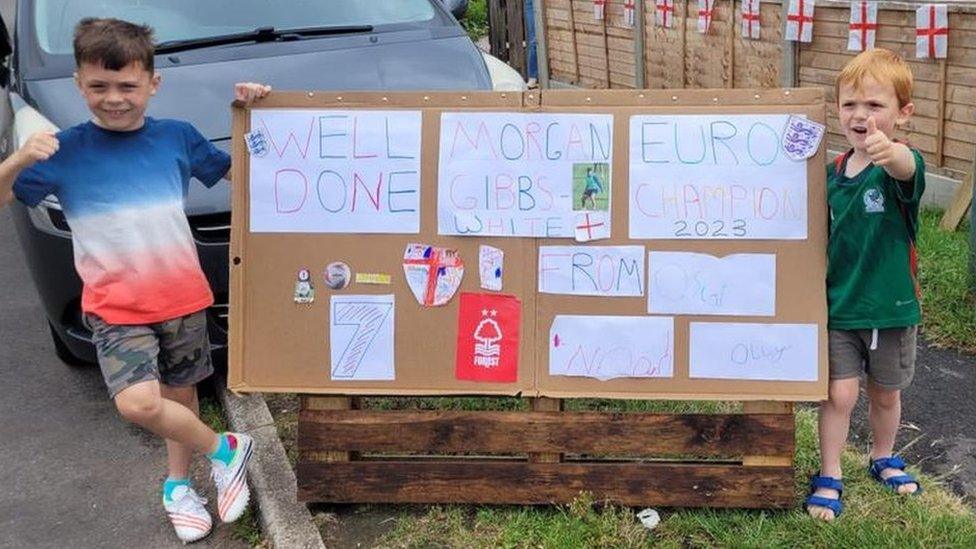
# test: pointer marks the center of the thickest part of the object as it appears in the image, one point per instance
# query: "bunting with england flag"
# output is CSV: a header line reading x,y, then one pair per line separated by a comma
x,y
931,22
664,13
932,31
863,26
750,19
629,12
705,10
799,21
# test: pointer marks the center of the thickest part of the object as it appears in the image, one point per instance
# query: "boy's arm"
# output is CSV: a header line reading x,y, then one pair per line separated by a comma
x,y
896,158
38,148
245,94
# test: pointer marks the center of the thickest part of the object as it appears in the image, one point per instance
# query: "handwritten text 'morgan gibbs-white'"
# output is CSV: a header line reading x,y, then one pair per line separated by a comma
x,y
512,174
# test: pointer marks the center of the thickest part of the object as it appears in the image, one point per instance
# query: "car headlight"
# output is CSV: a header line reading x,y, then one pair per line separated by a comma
x,y
503,77
46,216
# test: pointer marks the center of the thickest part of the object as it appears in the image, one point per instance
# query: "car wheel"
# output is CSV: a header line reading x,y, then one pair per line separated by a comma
x,y
62,350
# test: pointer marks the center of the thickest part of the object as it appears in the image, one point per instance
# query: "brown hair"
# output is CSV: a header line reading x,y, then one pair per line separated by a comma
x,y
884,66
113,43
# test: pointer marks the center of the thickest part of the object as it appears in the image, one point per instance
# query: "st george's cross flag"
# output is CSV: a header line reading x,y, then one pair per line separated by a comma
x,y
750,19
799,21
629,13
705,10
931,31
863,27
664,13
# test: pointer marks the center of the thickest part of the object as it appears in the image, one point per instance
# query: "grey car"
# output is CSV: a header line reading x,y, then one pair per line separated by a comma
x,y
204,48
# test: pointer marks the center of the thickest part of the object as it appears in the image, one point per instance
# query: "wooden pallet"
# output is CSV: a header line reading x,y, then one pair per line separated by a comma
x,y
546,455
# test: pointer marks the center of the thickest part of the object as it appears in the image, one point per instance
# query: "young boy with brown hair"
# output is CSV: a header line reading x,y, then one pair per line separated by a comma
x,y
873,194
121,179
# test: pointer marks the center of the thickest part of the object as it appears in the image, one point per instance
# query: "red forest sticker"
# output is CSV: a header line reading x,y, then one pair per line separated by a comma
x,y
488,337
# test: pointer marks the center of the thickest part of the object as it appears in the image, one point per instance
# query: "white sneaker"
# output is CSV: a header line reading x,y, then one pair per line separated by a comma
x,y
187,513
231,480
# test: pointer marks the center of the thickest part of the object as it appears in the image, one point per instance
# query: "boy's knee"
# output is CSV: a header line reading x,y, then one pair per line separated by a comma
x,y
139,408
885,398
843,394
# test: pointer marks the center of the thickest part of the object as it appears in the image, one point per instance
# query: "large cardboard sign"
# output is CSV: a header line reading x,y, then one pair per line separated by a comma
x,y
620,244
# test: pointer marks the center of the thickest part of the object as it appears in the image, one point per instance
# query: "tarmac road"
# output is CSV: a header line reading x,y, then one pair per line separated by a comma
x,y
938,429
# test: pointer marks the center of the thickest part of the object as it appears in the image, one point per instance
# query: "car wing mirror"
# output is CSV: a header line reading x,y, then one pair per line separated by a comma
x,y
457,8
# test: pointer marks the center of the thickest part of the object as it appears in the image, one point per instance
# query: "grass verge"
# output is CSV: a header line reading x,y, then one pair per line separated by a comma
x,y
948,303
873,517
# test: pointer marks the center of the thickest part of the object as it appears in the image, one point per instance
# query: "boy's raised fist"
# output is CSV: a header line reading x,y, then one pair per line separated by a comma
x,y
38,148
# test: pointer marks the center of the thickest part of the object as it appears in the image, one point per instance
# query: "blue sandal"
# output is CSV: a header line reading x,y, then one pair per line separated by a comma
x,y
835,505
892,483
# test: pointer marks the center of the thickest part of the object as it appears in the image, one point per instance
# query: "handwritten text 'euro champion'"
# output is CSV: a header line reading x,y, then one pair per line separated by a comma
x,y
717,142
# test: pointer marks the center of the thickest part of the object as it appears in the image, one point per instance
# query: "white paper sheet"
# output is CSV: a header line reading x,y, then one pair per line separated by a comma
x,y
520,174
714,177
491,263
694,283
361,337
607,271
771,352
336,171
607,347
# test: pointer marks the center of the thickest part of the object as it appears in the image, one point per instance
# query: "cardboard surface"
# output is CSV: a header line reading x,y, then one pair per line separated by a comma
x,y
278,345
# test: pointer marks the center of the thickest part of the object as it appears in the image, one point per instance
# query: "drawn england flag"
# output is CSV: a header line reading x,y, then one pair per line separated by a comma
x,y
799,21
931,31
863,26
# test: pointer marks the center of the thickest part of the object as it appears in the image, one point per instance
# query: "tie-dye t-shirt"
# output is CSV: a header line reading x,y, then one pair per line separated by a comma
x,y
122,194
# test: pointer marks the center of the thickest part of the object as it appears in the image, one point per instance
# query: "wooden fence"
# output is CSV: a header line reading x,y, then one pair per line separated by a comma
x,y
506,32
577,49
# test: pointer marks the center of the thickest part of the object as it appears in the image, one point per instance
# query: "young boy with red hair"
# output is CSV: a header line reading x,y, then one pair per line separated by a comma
x,y
873,194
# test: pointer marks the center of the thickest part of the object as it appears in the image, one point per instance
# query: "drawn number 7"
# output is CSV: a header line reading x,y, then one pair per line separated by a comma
x,y
367,318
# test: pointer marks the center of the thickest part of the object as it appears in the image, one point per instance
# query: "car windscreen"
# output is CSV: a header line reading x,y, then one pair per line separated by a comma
x,y
54,20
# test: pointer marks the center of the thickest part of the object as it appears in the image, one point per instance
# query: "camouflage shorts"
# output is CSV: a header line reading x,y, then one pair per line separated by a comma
x,y
174,352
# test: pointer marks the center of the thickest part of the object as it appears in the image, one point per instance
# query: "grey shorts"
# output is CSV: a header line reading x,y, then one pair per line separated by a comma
x,y
891,364
174,352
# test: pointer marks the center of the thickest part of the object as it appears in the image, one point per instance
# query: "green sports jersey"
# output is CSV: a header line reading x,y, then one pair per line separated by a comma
x,y
871,261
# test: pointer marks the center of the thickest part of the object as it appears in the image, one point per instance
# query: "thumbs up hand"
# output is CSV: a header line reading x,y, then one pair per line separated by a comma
x,y
878,146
